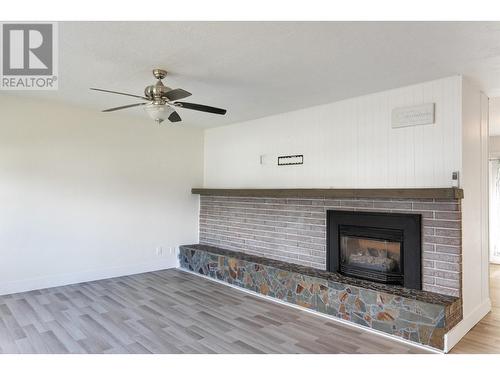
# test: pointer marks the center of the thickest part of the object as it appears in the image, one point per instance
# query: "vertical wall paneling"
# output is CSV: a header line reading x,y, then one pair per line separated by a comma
x,y
345,144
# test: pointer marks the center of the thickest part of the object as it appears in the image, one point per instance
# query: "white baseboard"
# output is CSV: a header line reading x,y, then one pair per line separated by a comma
x,y
25,285
460,330
338,320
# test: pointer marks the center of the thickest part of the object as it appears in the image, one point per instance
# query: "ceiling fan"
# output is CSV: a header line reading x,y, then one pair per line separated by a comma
x,y
162,101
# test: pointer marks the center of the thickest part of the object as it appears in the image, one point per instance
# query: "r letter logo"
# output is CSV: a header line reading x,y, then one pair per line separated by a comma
x,y
29,59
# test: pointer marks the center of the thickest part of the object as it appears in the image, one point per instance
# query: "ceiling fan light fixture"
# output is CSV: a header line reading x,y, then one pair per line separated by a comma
x,y
158,112
161,101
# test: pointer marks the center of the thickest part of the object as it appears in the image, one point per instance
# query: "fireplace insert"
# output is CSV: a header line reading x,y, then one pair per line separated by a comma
x,y
380,247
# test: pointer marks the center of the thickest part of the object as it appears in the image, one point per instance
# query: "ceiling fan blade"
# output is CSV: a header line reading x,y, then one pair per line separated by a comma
x,y
123,107
177,94
201,107
120,93
174,117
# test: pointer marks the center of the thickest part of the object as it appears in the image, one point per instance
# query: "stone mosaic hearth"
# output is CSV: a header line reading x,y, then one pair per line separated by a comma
x,y
418,316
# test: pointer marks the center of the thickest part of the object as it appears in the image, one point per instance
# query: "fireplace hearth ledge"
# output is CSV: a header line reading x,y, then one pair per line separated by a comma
x,y
424,193
419,316
419,295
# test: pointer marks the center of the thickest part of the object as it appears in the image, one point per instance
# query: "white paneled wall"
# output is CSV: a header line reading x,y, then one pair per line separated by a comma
x,y
345,144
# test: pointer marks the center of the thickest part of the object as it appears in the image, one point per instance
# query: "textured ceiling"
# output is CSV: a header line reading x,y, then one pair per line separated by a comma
x,y
256,69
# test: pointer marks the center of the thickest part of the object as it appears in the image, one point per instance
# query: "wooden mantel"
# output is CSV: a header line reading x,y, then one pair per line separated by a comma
x,y
438,193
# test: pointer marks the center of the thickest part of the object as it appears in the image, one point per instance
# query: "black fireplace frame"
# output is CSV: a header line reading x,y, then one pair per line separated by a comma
x,y
408,224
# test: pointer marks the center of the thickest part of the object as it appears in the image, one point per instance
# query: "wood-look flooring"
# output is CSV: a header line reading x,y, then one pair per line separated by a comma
x,y
485,336
171,312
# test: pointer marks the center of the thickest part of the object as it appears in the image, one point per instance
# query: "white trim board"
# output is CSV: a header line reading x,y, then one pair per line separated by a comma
x,y
345,322
465,325
26,285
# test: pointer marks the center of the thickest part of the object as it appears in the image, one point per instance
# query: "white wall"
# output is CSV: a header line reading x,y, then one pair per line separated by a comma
x,y
494,146
494,127
494,153
494,116
474,181
474,178
86,195
345,144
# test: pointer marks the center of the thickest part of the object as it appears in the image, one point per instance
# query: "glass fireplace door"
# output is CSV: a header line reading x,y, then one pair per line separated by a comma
x,y
372,254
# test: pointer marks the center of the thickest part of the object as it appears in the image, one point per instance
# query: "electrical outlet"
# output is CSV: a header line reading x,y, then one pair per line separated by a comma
x,y
455,179
167,250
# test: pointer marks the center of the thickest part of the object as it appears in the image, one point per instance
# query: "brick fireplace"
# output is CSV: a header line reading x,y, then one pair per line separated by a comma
x,y
277,242
294,230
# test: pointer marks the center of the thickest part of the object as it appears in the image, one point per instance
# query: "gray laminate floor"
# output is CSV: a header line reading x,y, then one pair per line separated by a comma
x,y
170,312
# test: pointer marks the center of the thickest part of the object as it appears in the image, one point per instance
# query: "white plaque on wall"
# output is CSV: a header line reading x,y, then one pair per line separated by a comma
x,y
423,114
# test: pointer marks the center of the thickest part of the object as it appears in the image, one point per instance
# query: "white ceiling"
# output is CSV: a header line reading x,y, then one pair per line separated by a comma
x,y
256,69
